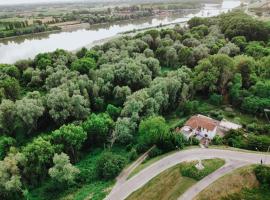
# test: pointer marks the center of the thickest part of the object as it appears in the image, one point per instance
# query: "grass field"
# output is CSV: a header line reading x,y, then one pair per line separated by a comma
x,y
229,184
170,184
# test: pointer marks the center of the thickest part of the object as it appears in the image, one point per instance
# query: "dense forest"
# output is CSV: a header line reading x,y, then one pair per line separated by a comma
x,y
69,120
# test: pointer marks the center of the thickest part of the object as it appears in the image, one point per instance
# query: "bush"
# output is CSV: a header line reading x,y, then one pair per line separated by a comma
x,y
217,140
155,152
216,99
194,141
133,155
216,115
189,169
263,174
109,165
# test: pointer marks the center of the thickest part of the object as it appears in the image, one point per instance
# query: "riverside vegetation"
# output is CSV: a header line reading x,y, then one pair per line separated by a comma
x,y
71,122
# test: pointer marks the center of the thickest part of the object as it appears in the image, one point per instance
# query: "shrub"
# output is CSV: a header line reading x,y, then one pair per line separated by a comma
x,y
216,99
190,170
109,165
217,140
154,152
263,174
133,154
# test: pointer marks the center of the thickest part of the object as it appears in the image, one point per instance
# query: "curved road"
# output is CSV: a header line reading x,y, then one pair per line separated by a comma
x,y
234,159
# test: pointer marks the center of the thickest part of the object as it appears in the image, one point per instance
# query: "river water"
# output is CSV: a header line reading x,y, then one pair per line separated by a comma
x,y
24,47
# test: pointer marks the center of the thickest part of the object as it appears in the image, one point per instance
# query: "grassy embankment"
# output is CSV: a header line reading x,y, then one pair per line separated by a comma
x,y
240,184
170,184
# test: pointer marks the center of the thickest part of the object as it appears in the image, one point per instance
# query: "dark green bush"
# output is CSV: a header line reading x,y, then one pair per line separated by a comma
x,y
155,152
262,173
109,165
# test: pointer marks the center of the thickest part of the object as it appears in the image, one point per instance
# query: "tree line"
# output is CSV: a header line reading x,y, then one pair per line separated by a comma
x,y
61,104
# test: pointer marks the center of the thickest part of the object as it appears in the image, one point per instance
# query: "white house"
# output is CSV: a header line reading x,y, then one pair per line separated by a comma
x,y
203,127
200,126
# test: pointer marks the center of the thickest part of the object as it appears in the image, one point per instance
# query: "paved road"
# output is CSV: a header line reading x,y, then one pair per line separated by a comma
x,y
193,191
137,181
123,176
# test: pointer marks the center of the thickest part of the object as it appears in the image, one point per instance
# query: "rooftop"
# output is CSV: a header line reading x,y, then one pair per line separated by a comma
x,y
202,121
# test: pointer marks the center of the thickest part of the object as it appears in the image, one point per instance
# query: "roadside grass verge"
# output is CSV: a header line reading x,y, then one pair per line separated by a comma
x,y
170,184
150,161
234,182
188,169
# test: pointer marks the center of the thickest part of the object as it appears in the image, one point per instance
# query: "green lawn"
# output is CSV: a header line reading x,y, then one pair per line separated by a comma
x,y
170,184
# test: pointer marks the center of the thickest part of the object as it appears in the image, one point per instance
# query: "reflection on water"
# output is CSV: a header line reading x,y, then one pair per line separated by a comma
x,y
28,46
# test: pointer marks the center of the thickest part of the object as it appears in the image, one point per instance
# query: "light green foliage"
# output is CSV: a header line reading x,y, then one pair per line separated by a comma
x,y
214,73
29,110
83,65
11,88
10,174
153,130
62,106
123,131
8,116
98,128
71,137
39,155
110,165
5,144
63,172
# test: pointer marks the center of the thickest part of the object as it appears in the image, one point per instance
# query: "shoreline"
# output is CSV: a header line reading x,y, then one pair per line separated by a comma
x,y
84,25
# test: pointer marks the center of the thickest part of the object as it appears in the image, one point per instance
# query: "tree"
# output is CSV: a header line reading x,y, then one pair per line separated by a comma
x,y
214,73
124,131
245,65
153,130
38,155
98,128
240,24
11,87
29,110
113,111
109,165
71,137
8,116
121,93
10,175
240,41
63,172
5,144
197,21
83,65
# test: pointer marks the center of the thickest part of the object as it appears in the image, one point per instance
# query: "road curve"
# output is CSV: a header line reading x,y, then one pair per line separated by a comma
x,y
194,190
137,181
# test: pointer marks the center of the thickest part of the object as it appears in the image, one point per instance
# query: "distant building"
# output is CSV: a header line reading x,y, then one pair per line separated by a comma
x,y
203,127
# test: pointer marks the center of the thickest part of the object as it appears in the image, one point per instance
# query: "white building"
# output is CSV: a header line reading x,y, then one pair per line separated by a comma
x,y
201,127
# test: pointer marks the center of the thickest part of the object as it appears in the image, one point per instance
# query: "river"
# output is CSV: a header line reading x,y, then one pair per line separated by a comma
x,y
12,50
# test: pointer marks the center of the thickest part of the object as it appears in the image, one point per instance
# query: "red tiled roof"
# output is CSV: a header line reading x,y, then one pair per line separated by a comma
x,y
202,121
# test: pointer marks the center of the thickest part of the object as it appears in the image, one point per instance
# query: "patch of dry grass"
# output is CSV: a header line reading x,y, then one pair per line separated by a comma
x,y
229,184
169,185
